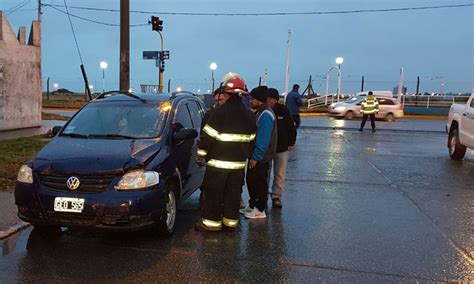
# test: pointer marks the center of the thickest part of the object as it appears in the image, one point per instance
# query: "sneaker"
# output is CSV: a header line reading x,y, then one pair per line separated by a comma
x,y
245,210
255,214
277,203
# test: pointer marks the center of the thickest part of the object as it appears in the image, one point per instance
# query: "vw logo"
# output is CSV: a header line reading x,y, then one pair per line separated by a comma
x,y
73,183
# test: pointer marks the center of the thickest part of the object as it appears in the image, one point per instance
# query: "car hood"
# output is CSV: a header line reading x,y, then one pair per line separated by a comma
x,y
92,156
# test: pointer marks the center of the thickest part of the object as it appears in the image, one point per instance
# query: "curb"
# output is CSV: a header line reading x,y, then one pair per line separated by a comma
x,y
13,229
368,130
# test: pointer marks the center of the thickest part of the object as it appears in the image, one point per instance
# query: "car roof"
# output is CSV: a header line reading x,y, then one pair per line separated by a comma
x,y
148,97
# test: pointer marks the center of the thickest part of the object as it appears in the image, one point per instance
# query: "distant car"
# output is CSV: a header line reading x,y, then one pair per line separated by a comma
x,y
389,108
460,128
122,162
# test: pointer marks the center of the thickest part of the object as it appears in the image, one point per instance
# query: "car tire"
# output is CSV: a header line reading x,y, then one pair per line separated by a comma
x,y
390,117
168,217
349,115
456,149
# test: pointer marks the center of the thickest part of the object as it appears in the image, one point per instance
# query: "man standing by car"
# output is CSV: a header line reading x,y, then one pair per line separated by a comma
x,y
286,138
225,145
369,107
262,154
293,103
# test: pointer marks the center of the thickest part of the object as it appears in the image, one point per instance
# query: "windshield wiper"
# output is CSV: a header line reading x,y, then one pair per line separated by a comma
x,y
119,136
75,135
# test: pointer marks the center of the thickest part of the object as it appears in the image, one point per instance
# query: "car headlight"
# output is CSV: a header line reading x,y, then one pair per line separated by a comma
x,y
138,179
25,175
341,108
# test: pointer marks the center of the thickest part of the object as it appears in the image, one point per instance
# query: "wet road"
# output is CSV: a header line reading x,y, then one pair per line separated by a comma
x,y
358,207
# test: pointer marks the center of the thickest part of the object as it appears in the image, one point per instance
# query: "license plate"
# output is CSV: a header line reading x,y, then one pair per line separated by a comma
x,y
67,204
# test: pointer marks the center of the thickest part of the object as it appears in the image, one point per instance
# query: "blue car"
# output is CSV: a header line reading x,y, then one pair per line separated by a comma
x,y
121,162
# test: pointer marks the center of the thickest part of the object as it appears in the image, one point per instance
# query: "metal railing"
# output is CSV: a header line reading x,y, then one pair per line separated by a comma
x,y
325,100
433,101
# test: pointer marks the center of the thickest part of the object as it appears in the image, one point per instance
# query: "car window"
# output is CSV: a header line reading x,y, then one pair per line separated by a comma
x,y
472,103
114,119
196,114
182,116
386,102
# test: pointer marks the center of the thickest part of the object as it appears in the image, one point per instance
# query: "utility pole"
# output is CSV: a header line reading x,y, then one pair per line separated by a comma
x,y
47,89
309,88
362,85
124,45
39,10
417,85
287,71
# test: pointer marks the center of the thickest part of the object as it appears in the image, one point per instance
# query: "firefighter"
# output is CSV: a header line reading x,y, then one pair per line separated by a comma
x,y
225,144
369,107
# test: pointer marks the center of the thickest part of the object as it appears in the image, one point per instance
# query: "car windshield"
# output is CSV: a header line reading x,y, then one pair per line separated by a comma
x,y
117,120
353,100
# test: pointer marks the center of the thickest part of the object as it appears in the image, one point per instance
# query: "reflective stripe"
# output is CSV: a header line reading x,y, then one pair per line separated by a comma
x,y
226,164
201,152
211,224
369,111
230,222
227,137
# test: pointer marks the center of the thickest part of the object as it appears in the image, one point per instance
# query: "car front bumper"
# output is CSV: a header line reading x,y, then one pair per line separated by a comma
x,y
111,209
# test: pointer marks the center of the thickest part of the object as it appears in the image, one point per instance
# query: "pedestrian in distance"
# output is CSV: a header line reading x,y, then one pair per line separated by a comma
x,y
369,108
286,138
263,152
224,147
293,103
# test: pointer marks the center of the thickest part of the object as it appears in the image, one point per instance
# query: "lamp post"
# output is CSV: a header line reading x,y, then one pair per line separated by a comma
x,y
212,66
104,66
339,61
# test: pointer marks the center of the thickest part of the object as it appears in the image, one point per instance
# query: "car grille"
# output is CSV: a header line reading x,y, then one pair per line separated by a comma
x,y
89,183
70,218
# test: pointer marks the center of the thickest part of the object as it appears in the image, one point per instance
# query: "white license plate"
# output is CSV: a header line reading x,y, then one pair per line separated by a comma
x,y
67,204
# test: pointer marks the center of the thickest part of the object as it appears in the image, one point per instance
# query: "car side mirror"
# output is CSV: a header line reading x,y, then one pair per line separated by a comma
x,y
185,134
56,130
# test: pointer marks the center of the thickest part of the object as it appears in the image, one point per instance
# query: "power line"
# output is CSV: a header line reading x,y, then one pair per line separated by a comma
x,y
17,7
274,13
73,33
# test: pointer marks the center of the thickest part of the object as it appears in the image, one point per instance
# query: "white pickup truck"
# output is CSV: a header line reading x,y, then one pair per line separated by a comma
x,y
460,129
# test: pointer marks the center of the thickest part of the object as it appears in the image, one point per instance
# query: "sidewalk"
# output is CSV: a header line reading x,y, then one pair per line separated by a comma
x,y
46,125
9,223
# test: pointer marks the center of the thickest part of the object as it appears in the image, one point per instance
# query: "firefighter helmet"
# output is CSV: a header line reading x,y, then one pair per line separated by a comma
x,y
232,83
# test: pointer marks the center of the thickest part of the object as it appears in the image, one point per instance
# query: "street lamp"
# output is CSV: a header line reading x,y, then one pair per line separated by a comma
x,y
213,67
56,86
104,66
339,61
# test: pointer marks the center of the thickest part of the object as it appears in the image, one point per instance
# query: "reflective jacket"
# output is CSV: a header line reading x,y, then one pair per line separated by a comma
x,y
369,106
227,138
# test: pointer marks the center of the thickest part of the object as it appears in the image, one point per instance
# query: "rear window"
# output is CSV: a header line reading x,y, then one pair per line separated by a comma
x,y
386,102
117,119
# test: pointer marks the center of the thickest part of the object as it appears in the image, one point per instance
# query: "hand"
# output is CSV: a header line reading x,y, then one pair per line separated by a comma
x,y
252,164
290,148
201,161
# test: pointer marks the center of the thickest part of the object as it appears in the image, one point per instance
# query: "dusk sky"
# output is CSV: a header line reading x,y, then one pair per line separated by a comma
x,y
435,44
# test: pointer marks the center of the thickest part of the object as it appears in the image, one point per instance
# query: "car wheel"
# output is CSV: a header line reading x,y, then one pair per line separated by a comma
x,y
349,115
390,117
168,217
456,149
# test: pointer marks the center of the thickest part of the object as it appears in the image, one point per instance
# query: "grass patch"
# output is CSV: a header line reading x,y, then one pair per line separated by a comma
x,y
15,152
53,116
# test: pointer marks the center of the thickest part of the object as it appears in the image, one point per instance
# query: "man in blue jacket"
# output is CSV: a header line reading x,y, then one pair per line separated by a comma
x,y
262,154
293,103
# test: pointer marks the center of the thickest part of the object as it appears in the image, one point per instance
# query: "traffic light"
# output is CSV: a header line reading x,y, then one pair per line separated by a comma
x,y
162,65
156,24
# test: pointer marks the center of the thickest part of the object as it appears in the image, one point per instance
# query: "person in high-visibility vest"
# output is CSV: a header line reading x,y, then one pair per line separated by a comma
x,y
226,143
369,107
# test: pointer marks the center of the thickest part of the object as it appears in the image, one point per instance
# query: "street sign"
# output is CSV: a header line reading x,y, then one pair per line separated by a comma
x,y
151,54
164,55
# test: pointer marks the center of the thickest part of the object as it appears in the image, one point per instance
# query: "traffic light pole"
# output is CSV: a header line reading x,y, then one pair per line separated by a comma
x,y
161,74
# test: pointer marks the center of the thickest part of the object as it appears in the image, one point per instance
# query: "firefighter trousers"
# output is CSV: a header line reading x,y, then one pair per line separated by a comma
x,y
257,183
221,194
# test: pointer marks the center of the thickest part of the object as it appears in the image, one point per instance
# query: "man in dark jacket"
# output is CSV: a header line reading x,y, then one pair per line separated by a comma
x,y
293,103
286,132
263,152
225,144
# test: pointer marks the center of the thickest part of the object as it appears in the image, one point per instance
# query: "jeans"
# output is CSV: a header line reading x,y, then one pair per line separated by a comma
x,y
279,171
257,183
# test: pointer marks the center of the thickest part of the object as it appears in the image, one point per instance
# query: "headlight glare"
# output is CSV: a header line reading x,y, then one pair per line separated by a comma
x,y
138,179
25,175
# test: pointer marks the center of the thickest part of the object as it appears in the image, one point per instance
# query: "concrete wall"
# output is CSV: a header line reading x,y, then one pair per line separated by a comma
x,y
20,76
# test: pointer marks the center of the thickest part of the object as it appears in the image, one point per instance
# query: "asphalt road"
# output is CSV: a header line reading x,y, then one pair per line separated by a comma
x,y
388,206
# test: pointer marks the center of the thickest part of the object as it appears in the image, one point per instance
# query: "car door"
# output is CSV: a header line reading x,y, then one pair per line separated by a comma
x,y
384,107
195,172
467,124
182,151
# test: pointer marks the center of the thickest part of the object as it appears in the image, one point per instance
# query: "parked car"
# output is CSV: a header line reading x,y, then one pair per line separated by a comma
x,y
121,162
460,128
389,108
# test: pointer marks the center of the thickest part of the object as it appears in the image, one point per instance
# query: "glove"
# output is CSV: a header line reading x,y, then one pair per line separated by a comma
x,y
201,161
